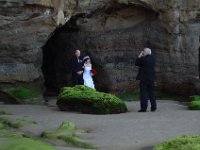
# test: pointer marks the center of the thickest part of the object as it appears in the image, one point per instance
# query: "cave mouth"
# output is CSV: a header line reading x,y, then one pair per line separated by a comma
x,y
112,37
57,53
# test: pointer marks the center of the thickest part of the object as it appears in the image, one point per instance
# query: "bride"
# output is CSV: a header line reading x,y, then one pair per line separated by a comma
x,y
87,74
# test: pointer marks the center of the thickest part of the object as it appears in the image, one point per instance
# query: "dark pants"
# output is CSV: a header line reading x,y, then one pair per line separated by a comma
x,y
77,79
147,92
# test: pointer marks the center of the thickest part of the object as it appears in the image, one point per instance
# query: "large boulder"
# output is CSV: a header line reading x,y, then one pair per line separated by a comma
x,y
87,100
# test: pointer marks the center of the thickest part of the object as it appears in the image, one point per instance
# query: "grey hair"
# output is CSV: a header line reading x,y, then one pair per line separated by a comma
x,y
147,51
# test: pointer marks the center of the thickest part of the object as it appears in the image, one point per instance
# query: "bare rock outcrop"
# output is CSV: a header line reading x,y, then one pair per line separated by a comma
x,y
112,32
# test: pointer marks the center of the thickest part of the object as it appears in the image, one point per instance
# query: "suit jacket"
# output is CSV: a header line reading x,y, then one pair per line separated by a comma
x,y
76,65
146,68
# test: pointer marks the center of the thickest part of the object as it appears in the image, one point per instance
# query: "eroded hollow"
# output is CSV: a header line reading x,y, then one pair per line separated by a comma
x,y
112,37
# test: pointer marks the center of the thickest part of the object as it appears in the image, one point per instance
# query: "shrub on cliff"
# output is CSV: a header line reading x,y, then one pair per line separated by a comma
x,y
195,103
180,143
87,100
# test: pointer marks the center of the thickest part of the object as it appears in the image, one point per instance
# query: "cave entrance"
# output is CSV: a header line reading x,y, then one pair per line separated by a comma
x,y
57,53
112,37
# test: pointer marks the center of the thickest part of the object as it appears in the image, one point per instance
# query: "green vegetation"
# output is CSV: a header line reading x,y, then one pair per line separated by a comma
x,y
10,140
87,100
15,124
180,143
1,126
2,112
195,103
25,95
135,95
68,132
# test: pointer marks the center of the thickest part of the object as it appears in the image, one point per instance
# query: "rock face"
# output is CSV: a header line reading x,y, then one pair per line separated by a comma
x,y
112,32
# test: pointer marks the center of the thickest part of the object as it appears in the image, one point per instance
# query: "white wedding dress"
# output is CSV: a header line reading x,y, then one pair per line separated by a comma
x,y
87,77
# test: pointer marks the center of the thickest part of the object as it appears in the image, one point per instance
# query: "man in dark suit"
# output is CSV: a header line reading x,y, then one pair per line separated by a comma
x,y
77,68
146,75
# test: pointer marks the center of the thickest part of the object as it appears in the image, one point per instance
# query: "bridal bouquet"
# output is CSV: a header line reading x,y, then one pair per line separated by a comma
x,y
93,71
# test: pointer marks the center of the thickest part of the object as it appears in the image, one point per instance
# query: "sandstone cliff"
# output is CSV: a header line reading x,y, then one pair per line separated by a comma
x,y
111,31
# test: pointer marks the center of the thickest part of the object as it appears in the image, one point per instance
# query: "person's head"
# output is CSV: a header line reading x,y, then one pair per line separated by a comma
x,y
77,53
86,60
147,51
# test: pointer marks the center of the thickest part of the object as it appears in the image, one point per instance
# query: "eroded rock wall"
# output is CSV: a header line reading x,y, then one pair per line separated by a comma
x,y
111,31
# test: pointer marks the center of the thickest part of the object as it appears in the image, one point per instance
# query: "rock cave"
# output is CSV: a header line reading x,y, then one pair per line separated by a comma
x,y
111,32
112,37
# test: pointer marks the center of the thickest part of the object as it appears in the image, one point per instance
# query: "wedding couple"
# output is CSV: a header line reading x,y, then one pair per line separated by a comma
x,y
82,70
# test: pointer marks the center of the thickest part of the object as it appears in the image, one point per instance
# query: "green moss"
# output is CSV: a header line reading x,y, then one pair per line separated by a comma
x,y
195,103
87,100
195,98
76,142
180,143
68,132
131,96
12,141
1,126
25,95
2,112
135,95
15,124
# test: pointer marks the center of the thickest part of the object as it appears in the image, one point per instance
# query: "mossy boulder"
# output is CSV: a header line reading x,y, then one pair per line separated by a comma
x,y
19,95
180,143
195,103
86,100
10,140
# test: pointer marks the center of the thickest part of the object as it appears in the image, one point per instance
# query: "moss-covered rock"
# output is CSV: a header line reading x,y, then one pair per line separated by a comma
x,y
21,95
180,143
68,132
10,140
87,100
195,103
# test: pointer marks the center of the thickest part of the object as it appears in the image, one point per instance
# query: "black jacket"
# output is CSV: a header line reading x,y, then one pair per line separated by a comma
x,y
146,68
76,65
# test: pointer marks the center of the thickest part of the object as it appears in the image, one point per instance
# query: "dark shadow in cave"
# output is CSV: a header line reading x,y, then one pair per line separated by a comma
x,y
57,53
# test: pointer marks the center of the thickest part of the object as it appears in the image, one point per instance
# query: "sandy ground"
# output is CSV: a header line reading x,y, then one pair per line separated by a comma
x,y
127,131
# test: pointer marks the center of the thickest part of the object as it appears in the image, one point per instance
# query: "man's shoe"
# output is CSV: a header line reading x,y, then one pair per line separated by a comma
x,y
153,109
141,110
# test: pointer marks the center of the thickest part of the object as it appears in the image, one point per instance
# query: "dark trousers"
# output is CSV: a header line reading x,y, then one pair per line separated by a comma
x,y
77,79
147,93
